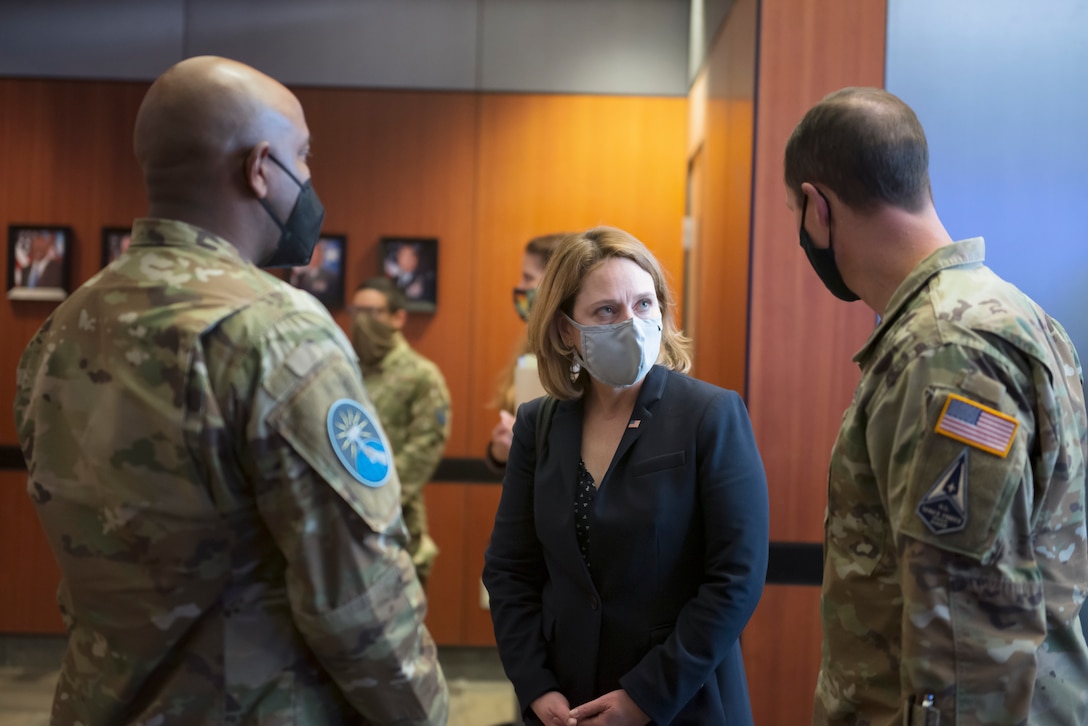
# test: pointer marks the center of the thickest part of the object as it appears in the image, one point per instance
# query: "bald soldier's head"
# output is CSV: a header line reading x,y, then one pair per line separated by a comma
x,y
223,146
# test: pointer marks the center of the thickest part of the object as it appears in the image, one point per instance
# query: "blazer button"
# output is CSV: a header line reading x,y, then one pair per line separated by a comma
x,y
594,602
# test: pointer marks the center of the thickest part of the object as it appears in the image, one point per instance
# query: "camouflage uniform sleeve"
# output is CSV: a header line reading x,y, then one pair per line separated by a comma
x,y
1063,335
29,366
426,435
352,589
973,615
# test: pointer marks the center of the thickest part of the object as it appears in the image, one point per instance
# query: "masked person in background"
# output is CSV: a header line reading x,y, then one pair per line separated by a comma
x,y
537,253
203,456
630,542
410,395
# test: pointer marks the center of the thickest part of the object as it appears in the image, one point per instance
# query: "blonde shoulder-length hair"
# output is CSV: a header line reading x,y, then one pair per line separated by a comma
x,y
578,255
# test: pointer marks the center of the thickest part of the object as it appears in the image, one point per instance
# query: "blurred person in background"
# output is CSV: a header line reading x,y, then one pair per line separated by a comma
x,y
537,253
413,403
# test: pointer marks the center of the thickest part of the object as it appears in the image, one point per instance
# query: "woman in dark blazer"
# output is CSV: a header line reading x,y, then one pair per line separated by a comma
x,y
630,546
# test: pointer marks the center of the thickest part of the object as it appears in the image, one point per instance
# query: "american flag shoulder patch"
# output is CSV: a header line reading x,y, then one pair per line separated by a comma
x,y
976,425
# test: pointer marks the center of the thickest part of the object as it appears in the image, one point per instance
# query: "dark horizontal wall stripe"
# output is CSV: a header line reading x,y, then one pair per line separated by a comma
x,y
795,563
452,471
11,457
474,471
791,563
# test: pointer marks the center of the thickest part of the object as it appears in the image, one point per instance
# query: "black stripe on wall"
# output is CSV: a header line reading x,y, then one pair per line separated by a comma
x,y
454,471
11,457
790,563
795,563
466,470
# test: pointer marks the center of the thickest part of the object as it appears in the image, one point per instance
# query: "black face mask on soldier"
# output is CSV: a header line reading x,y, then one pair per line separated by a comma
x,y
302,230
823,261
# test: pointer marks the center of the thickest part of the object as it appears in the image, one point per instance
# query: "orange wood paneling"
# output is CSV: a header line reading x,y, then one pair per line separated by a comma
x,y
566,163
28,573
385,163
720,189
447,582
482,173
481,503
67,157
782,655
392,163
802,339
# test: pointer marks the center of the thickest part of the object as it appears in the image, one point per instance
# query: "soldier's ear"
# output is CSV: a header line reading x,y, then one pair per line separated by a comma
x,y
253,170
817,203
400,318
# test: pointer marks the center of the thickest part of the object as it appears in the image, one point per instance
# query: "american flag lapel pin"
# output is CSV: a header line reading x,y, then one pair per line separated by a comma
x,y
634,424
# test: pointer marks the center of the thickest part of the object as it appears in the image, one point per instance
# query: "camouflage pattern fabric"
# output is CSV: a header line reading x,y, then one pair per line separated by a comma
x,y
413,403
951,570
221,563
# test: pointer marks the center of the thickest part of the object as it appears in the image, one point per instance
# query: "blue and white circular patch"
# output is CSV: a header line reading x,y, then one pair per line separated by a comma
x,y
359,443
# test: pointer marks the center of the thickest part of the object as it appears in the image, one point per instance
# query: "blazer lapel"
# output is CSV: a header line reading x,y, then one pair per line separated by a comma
x,y
558,473
560,476
641,414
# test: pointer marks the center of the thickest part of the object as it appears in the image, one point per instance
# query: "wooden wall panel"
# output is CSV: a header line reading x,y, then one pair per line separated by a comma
x,y
481,173
447,581
391,163
566,163
481,503
801,340
67,157
720,189
782,655
385,162
28,573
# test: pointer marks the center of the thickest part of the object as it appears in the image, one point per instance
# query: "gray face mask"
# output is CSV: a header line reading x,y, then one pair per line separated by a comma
x,y
620,354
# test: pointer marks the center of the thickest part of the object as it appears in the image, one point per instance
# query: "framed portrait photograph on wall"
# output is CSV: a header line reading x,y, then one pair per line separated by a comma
x,y
323,277
38,262
115,240
412,264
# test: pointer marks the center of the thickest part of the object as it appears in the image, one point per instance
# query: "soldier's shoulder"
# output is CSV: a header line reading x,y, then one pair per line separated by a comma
x,y
411,364
280,307
976,306
280,300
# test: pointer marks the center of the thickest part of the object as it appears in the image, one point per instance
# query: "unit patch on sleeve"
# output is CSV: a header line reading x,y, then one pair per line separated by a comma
x,y
359,443
980,426
944,507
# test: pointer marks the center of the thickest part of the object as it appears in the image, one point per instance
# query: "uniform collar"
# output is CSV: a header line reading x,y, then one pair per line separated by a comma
x,y
157,232
969,252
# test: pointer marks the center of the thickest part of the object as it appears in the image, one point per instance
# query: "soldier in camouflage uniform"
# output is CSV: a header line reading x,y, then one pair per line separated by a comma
x,y
410,396
955,557
203,456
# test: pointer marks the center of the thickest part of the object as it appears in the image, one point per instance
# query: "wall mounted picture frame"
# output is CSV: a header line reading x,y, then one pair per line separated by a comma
x,y
412,264
38,261
323,277
115,240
